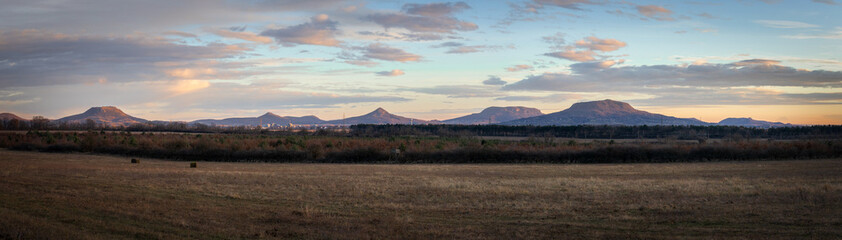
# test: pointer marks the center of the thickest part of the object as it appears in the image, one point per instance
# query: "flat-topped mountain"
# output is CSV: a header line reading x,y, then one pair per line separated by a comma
x,y
108,115
494,115
379,116
605,112
749,122
10,116
263,120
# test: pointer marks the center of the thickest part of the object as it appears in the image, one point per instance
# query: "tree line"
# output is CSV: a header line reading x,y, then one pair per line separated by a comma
x,y
408,149
371,130
605,131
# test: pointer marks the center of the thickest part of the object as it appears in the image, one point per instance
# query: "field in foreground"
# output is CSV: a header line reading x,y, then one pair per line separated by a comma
x,y
57,196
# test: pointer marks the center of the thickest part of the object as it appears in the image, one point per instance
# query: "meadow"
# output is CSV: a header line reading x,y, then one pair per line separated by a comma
x,y
85,196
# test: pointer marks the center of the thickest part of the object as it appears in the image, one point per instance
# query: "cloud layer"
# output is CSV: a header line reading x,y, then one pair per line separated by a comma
x,y
434,18
732,83
587,49
319,31
45,58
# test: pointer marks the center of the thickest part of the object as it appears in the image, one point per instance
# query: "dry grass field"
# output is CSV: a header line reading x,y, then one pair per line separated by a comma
x,y
68,196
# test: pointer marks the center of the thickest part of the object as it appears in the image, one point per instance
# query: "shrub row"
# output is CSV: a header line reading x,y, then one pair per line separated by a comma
x,y
380,150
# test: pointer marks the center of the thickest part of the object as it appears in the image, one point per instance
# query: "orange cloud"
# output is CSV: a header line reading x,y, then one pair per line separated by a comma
x,y
187,86
604,45
573,55
190,72
655,12
519,68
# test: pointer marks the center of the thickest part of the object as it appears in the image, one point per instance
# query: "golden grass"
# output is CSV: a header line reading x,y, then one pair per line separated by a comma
x,y
103,197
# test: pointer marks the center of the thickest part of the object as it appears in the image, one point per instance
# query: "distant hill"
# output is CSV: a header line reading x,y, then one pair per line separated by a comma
x,y
605,112
268,118
495,115
749,122
107,115
379,116
10,116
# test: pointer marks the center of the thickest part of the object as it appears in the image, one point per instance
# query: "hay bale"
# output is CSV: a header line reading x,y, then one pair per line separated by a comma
x,y
134,160
193,165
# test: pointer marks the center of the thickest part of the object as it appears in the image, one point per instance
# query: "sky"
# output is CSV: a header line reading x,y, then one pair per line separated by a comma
x,y
194,59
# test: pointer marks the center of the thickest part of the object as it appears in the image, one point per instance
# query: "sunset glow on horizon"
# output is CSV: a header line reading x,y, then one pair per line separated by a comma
x,y
196,59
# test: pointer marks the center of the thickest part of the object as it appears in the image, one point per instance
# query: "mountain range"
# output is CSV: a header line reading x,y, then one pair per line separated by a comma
x,y
493,115
263,120
605,112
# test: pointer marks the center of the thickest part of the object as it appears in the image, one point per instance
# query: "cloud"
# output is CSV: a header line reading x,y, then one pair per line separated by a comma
x,y
241,34
748,82
349,9
131,16
519,67
589,47
384,52
785,24
449,44
753,72
585,67
569,4
435,9
706,15
190,73
426,18
828,2
604,45
655,12
352,58
460,48
46,58
466,49
458,91
494,80
421,37
364,63
393,73
413,37
553,98
556,40
421,23
238,28
757,62
735,96
573,55
181,34
834,34
319,31
187,86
